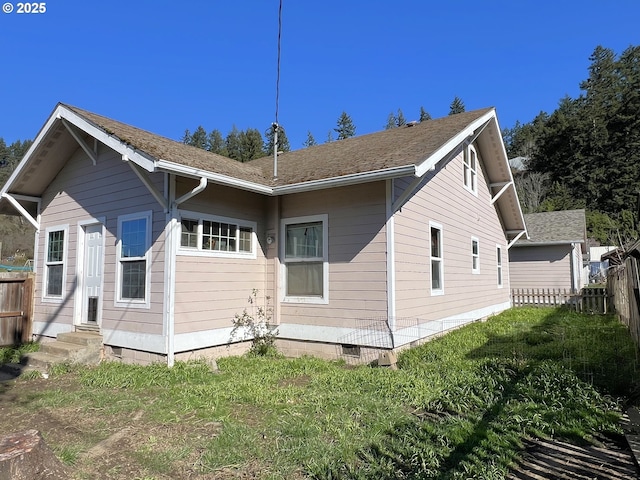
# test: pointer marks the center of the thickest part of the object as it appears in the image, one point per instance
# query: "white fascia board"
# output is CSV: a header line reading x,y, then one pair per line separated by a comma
x,y
134,155
460,137
548,244
25,160
372,176
184,170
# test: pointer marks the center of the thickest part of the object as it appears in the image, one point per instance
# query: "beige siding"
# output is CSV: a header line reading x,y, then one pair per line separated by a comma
x,y
540,266
210,290
443,200
80,192
357,254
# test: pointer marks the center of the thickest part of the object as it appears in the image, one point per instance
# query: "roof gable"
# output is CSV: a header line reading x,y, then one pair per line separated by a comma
x,y
548,228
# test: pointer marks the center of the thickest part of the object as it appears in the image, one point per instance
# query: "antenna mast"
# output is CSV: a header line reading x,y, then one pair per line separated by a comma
x,y
275,125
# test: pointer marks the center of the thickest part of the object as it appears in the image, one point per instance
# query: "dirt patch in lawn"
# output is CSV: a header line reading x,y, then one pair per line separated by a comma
x,y
127,446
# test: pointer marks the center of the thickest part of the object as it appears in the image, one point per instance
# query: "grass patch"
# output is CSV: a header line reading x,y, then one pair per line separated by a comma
x,y
458,407
14,354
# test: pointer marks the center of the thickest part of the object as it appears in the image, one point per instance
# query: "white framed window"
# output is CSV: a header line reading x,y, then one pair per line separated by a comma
x,y
55,263
305,259
470,169
437,261
499,264
475,255
133,252
209,235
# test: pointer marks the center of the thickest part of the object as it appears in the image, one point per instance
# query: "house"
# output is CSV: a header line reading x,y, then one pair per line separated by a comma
x,y
364,244
552,256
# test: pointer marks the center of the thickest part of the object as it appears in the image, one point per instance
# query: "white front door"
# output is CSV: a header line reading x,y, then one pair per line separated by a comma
x,y
92,274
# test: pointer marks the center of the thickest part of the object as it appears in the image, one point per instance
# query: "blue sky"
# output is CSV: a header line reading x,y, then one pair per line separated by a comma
x,y
166,66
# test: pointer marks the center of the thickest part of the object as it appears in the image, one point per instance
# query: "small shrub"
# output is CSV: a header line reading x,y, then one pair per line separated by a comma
x,y
257,324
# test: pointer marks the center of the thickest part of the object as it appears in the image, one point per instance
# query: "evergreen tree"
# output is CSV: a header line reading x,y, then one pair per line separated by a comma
x,y
424,115
216,143
456,106
283,141
391,122
251,145
400,120
310,141
345,127
232,144
329,137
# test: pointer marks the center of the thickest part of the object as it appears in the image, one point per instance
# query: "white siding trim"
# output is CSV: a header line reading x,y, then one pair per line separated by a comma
x,y
204,339
144,342
427,329
334,335
170,249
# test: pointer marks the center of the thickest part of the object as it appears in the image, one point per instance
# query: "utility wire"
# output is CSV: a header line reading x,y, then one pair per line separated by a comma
x,y
278,66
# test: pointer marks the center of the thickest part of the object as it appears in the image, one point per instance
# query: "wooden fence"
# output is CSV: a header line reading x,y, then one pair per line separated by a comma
x,y
623,284
587,300
16,300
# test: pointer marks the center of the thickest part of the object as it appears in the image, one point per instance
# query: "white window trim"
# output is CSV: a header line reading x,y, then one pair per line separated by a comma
x,y
199,252
499,266
324,299
470,175
65,261
437,291
126,302
475,257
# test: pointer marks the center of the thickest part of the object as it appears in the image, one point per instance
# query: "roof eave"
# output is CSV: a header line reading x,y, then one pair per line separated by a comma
x,y
546,244
179,169
345,180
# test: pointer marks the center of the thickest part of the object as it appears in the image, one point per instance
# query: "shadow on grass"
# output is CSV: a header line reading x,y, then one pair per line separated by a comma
x,y
542,378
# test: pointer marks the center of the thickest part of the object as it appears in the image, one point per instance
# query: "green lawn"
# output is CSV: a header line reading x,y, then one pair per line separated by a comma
x,y
458,407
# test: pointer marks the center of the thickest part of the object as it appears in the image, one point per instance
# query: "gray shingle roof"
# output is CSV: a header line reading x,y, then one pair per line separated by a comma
x,y
566,226
367,153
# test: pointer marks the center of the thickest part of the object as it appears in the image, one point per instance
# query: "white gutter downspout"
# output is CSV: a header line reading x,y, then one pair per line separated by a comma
x,y
391,263
199,188
171,249
169,278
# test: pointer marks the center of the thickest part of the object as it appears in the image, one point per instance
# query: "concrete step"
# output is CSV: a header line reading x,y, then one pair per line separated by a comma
x,y
81,338
43,361
61,349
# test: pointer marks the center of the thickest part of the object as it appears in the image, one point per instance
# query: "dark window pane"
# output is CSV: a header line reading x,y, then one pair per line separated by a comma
x,y
54,280
55,250
304,240
189,237
134,279
245,239
435,243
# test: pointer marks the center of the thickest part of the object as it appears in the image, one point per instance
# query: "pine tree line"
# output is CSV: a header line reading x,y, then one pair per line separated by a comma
x,y
587,151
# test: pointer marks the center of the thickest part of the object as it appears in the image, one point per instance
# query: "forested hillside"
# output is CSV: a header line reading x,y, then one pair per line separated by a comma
x,y
586,154
16,234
